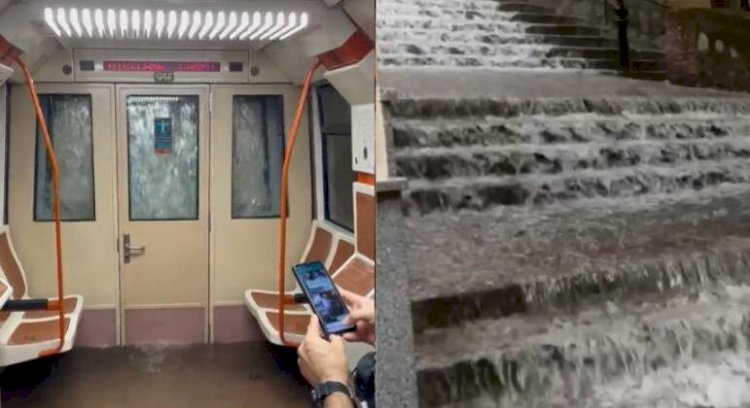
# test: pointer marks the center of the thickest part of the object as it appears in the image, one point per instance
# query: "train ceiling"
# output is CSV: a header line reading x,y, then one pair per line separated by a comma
x,y
289,32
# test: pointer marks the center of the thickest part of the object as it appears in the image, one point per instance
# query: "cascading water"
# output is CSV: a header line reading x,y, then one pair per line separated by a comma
x,y
444,33
569,241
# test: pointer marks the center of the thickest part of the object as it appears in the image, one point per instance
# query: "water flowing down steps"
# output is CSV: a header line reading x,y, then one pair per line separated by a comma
x,y
500,34
573,239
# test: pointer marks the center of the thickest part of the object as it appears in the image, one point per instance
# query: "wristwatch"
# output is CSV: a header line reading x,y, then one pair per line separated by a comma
x,y
323,390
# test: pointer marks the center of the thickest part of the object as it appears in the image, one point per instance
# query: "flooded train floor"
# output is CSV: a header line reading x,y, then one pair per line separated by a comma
x,y
201,376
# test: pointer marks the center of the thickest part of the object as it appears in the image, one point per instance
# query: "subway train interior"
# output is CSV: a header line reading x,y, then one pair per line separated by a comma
x,y
165,163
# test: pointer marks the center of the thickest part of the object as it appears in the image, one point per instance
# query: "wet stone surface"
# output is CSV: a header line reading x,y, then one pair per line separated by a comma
x,y
569,239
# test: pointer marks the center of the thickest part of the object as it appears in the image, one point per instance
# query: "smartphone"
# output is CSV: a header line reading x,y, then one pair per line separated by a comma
x,y
323,297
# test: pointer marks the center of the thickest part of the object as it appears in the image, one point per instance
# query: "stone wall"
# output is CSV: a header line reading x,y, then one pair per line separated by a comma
x,y
708,49
646,16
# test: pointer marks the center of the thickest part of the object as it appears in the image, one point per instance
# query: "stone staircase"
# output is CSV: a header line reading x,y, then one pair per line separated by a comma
x,y
499,34
573,251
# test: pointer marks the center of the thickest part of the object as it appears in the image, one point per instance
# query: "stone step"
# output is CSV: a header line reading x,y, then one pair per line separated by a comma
x,y
578,41
559,29
500,61
484,193
435,49
403,36
454,25
610,64
647,75
580,128
472,4
563,359
441,163
425,108
524,260
601,53
523,7
476,61
421,14
546,18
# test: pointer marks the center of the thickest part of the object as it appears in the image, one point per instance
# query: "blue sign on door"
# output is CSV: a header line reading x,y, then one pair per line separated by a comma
x,y
163,135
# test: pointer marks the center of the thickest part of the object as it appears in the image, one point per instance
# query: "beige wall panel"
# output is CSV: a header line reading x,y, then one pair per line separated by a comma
x,y
269,73
50,68
244,251
89,256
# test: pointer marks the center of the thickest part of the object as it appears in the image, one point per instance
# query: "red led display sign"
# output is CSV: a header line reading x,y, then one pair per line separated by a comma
x,y
162,66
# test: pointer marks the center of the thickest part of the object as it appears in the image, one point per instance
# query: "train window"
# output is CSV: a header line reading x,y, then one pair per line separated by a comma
x,y
257,154
338,175
163,157
69,122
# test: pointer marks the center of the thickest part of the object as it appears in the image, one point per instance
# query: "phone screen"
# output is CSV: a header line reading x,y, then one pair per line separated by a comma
x,y
324,299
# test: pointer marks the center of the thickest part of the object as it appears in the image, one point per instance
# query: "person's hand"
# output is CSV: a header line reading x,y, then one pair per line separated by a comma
x,y
362,315
321,360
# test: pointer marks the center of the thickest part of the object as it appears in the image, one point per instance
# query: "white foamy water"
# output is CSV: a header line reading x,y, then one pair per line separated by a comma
x,y
424,32
720,382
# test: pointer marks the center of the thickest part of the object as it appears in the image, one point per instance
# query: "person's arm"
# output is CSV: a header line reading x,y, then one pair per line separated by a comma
x,y
323,361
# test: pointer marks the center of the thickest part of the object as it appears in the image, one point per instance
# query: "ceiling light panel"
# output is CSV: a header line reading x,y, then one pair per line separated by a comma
x,y
175,24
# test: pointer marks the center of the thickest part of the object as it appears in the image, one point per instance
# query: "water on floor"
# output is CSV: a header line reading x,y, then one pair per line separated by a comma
x,y
159,376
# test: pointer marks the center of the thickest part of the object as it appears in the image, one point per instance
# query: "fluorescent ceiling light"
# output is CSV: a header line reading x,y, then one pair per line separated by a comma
x,y
196,24
63,22
230,26
74,22
112,22
278,26
303,22
174,24
207,25
171,23
86,20
184,23
159,23
219,25
147,23
290,25
135,19
99,21
123,23
257,21
244,22
266,25
49,18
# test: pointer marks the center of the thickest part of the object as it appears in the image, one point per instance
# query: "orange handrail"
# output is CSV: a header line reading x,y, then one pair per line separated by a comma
x,y
291,140
52,159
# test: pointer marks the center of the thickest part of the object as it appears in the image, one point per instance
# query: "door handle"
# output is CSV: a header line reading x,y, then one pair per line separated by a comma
x,y
130,250
136,249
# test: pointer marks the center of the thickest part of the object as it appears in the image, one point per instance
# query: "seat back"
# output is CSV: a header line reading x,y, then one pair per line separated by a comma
x,y
344,250
319,246
10,266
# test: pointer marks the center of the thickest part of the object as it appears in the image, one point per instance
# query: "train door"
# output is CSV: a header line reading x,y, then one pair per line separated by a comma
x,y
81,121
163,196
249,124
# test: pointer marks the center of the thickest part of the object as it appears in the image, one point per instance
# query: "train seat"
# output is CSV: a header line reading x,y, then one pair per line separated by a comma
x,y
355,275
24,335
327,245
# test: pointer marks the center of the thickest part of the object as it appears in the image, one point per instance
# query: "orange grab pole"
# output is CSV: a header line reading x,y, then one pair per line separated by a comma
x,y
291,140
52,160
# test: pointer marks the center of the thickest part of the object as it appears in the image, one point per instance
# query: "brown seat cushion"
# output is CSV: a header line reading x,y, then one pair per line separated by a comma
x,y
36,332
270,301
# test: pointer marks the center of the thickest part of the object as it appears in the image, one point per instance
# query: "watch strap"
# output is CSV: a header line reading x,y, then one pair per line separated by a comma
x,y
323,390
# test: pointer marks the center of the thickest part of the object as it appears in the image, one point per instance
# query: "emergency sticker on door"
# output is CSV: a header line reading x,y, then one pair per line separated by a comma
x,y
163,135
